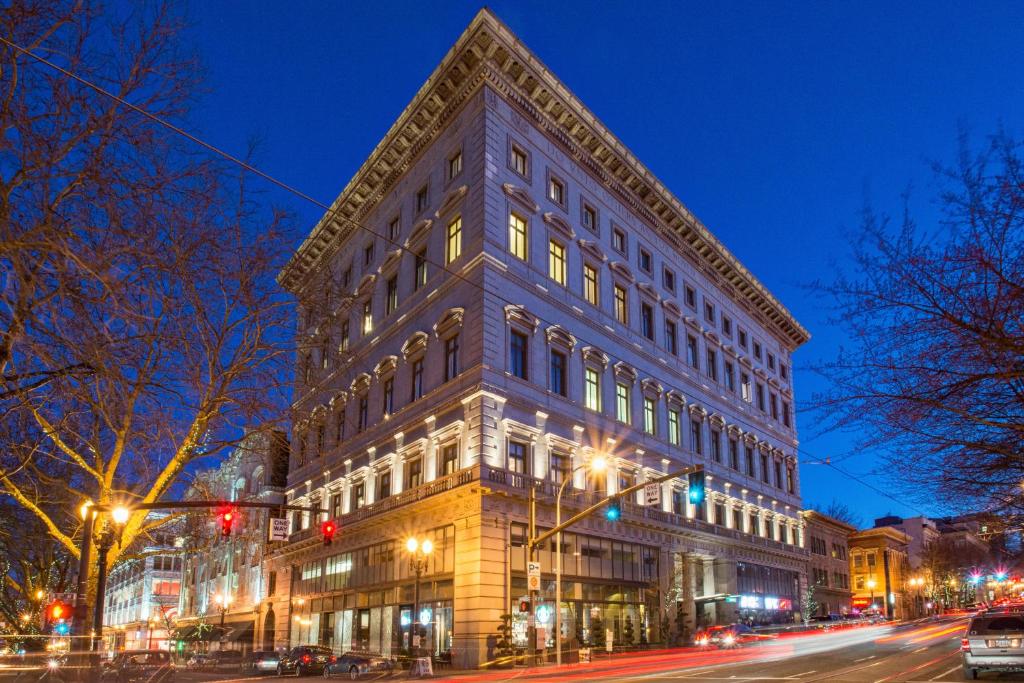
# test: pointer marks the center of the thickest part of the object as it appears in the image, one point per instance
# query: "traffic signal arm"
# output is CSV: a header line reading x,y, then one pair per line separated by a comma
x,y
540,539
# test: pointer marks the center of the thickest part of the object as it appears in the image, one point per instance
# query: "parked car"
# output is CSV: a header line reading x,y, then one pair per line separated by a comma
x,y
224,659
302,660
153,666
260,661
993,642
354,665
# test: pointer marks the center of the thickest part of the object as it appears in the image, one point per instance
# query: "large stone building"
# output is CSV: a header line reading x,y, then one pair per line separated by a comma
x,y
501,295
225,580
828,563
879,570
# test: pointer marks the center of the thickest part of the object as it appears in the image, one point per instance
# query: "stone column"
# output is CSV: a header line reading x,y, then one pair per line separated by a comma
x,y
480,594
725,582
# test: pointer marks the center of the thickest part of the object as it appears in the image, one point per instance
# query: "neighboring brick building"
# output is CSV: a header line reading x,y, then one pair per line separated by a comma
x,y
879,570
828,565
527,296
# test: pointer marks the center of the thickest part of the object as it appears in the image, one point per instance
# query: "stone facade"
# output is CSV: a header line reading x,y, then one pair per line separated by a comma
x,y
502,294
828,565
879,570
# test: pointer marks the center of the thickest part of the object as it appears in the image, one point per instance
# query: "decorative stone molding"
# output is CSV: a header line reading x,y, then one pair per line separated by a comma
x,y
594,356
391,261
750,439
623,271
318,413
672,308
517,314
674,398
745,361
339,399
559,336
734,431
624,372
361,384
699,412
590,247
560,224
419,233
365,284
648,291
521,196
451,200
692,322
450,321
415,346
386,366
717,421
712,337
651,387
764,447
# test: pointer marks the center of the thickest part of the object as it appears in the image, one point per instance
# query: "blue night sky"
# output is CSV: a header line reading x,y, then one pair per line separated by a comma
x,y
773,122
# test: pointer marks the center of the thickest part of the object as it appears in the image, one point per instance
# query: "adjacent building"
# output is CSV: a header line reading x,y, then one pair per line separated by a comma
x,y
828,565
502,297
879,570
226,587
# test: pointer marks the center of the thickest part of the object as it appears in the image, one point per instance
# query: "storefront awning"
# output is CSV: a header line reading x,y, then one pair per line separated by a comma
x,y
240,632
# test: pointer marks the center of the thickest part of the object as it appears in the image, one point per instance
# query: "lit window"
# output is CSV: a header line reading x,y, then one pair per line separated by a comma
x,y
621,305
745,389
453,245
517,461
517,236
592,389
673,427
367,317
650,417
449,460
590,284
556,262
622,403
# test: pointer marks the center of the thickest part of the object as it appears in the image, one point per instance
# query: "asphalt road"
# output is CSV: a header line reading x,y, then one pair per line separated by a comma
x,y
925,651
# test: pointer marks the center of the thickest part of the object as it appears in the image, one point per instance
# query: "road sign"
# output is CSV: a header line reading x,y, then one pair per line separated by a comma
x,y
609,642
278,529
533,576
652,494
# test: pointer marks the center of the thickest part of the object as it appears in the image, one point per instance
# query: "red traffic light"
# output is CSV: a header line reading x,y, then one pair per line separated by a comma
x,y
524,606
58,610
227,518
327,529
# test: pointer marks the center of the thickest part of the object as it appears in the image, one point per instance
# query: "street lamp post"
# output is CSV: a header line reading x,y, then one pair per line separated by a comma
x,y
120,516
596,465
871,587
419,551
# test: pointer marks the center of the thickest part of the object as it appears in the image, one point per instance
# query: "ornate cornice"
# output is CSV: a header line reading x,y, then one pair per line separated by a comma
x,y
489,52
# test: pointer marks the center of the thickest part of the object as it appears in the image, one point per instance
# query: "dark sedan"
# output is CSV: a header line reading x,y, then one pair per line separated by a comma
x,y
354,665
303,660
153,666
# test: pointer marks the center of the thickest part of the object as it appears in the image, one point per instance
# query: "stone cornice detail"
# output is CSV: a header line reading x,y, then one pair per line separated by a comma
x,y
451,200
559,224
516,313
592,248
521,196
623,271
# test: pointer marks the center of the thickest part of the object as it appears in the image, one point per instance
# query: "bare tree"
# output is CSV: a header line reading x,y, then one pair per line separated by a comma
x,y
932,374
140,325
838,510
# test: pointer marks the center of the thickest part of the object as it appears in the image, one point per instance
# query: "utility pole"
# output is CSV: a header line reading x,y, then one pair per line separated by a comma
x,y
531,630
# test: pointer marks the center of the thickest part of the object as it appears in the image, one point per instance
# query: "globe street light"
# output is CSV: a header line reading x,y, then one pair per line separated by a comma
x,y
222,600
598,464
419,552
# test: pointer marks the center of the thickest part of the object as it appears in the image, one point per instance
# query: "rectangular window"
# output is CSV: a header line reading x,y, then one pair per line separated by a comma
x,y
726,326
745,388
790,483
773,403
695,440
712,366
346,278
771,362
517,236
558,373
716,445
783,371
668,280
358,497
368,254
453,245
590,284
741,337
417,380
383,484
556,262
765,476
729,376
394,228
590,218
647,321
420,276
691,297
691,350
449,459
559,467
367,317
673,427
645,260
556,191
389,395
760,397
778,475
422,199
734,454
454,165
451,358
709,311
748,452
517,457
339,426
670,337
786,418
737,519
518,355
413,473
621,305
719,514
619,242
592,389
363,414
755,525
650,416
757,350
678,502
519,161
391,302
336,506
622,402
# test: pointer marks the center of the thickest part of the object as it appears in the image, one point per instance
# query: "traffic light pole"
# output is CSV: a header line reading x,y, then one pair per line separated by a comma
x,y
81,627
531,630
